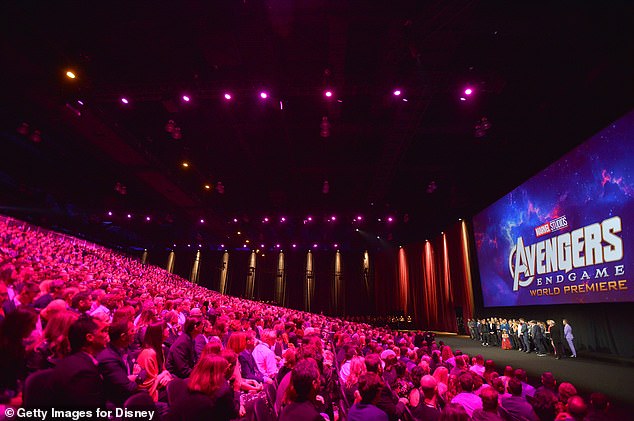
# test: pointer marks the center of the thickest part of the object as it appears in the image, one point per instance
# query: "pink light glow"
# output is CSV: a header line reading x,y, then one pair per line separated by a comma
x,y
277,245
186,98
129,216
390,219
397,92
468,91
222,246
265,219
294,245
262,246
359,218
147,218
227,96
328,94
282,219
310,218
264,95
235,219
335,245
110,213
202,221
333,218
463,98
315,246
125,100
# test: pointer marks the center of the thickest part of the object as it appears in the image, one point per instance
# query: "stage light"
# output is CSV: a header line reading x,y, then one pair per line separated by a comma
x,y
294,245
463,98
390,219
282,219
129,216
200,245
239,233
70,74
277,245
235,219
261,246
264,95
222,246
186,98
109,213
227,96
174,245
397,92
404,99
359,218
185,164
244,246
207,187
266,219
125,100
468,91
357,230
147,218
333,218
328,94
335,245
202,221
80,102
309,219
315,246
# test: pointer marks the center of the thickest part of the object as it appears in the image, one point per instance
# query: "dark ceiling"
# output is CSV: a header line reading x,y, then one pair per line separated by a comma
x,y
545,76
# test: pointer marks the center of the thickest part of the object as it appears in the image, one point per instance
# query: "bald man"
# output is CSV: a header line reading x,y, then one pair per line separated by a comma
x,y
428,408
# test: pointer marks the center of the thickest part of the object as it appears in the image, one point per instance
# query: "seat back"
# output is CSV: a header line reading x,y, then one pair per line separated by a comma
x,y
38,389
176,390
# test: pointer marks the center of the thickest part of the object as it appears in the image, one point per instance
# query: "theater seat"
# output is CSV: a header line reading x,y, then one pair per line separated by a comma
x,y
38,389
176,389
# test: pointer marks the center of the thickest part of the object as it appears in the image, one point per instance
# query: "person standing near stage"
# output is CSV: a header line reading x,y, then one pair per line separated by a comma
x,y
555,338
569,337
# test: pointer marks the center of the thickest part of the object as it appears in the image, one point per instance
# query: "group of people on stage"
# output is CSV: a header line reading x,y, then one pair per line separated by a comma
x,y
526,336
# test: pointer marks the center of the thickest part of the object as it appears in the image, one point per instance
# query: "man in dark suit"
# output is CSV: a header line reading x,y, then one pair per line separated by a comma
x,y
524,336
538,338
182,357
115,365
76,379
248,366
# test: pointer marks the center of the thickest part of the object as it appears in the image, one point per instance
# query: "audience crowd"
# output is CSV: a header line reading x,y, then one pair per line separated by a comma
x,y
85,328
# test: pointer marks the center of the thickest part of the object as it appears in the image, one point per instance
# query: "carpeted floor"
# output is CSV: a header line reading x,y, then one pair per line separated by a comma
x,y
615,379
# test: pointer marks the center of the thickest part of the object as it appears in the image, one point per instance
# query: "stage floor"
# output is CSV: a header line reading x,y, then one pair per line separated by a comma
x,y
587,374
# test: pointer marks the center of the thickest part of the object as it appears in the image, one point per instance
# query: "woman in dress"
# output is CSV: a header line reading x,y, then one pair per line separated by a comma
x,y
152,360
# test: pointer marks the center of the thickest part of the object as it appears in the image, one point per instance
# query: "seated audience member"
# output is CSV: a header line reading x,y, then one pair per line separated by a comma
x,y
548,383
489,410
181,357
16,326
209,395
388,402
302,393
116,366
264,356
478,367
515,405
429,404
289,360
599,407
81,302
469,400
454,412
152,360
78,383
441,374
237,342
54,343
248,366
370,385
576,410
527,389
566,390
544,403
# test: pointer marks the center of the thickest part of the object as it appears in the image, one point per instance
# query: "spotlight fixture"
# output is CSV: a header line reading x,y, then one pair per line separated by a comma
x,y
70,74
186,98
125,100
227,96
397,92
185,164
328,93
264,95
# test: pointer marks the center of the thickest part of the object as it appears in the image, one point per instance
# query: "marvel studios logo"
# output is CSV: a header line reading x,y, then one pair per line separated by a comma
x,y
552,226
